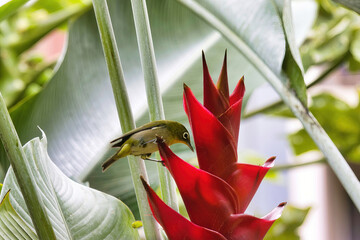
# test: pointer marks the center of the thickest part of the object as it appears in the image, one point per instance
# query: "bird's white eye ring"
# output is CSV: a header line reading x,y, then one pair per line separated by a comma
x,y
185,135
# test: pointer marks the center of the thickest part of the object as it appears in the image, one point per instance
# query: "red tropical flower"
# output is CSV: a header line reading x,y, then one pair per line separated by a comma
x,y
216,148
217,194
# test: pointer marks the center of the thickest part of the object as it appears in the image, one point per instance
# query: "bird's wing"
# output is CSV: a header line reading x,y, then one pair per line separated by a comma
x,y
119,141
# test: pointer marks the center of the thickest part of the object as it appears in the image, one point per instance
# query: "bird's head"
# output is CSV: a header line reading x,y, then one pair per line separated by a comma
x,y
180,134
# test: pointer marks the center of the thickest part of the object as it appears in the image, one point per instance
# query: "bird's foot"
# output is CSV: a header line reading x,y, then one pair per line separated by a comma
x,y
154,160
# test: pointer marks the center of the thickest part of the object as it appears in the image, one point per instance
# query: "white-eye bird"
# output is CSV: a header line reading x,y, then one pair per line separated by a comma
x,y
142,140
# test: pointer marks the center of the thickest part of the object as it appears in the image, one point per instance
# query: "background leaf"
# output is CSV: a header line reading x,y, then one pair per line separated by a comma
x,y
335,34
342,126
75,211
352,4
10,7
286,227
25,65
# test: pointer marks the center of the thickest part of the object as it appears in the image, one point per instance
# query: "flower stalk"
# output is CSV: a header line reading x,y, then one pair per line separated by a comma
x,y
156,110
137,166
275,105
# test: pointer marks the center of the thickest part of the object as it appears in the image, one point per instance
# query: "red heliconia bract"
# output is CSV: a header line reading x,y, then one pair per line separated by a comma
x,y
176,226
216,195
209,200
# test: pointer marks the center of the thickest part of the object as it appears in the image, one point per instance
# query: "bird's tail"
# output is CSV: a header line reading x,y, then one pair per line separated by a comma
x,y
110,161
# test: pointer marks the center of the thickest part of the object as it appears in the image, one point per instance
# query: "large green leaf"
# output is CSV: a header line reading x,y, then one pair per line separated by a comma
x,y
75,211
12,227
335,36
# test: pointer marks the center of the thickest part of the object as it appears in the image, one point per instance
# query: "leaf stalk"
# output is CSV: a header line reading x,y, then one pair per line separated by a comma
x,y
137,166
156,109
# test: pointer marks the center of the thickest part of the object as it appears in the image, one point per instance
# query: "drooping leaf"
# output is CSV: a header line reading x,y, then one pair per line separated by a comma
x,y
292,61
354,63
75,211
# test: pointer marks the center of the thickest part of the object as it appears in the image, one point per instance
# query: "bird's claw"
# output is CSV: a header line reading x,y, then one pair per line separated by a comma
x,y
154,160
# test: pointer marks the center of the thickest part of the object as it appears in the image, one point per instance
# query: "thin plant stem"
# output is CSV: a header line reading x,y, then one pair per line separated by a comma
x,y
280,103
296,165
265,109
336,161
137,166
18,161
147,57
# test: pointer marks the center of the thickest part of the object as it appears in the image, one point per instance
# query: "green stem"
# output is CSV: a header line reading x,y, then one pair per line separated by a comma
x,y
296,165
17,158
319,79
311,125
147,57
137,166
330,69
265,109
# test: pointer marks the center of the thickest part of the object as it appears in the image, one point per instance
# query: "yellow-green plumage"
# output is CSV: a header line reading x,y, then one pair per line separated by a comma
x,y
142,140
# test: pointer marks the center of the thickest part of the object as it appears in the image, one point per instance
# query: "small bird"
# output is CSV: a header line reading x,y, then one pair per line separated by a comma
x,y
142,140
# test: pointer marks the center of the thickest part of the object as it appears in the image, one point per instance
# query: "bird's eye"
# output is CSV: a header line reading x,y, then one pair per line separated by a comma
x,y
185,135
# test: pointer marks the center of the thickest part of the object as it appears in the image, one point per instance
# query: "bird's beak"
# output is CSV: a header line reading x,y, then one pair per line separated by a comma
x,y
189,145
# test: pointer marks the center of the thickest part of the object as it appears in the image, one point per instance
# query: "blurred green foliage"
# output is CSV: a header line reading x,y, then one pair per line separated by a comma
x,y
335,34
352,4
286,227
339,120
23,71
